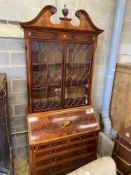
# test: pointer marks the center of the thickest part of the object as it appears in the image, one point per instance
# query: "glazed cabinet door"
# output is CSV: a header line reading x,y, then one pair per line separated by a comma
x,y
46,75
78,69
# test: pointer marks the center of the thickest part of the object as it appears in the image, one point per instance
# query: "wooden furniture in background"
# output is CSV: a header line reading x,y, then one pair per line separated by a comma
x,y
60,61
6,154
122,152
120,112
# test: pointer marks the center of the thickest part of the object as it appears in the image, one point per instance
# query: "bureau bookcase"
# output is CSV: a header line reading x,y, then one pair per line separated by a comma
x,y
60,59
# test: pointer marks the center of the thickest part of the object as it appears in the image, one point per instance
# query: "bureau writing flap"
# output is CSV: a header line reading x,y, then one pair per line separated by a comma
x,y
57,124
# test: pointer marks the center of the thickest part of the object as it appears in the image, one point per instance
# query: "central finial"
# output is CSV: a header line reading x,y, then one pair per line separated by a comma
x,y
65,11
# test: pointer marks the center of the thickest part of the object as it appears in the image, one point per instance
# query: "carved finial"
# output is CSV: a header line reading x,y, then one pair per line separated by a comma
x,y
65,11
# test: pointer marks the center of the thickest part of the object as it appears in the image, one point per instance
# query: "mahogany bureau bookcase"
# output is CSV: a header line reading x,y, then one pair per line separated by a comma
x,y
62,124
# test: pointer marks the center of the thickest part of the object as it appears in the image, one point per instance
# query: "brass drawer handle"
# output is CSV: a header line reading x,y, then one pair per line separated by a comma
x,y
65,123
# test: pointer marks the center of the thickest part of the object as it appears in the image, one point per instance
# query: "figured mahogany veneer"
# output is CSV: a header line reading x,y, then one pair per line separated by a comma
x,y
60,59
60,138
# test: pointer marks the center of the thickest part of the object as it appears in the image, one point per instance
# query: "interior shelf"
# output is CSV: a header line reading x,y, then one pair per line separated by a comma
x,y
69,83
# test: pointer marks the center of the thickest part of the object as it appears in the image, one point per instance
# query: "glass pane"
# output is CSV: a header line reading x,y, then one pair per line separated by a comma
x,y
46,75
78,62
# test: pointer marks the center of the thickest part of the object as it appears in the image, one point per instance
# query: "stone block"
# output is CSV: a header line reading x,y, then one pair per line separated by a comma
x,y
99,71
30,3
48,2
16,98
32,12
18,124
97,91
71,5
4,58
19,86
11,31
97,101
18,59
18,72
10,11
125,37
100,60
11,44
98,82
20,109
125,49
2,21
21,2
124,58
14,72
105,145
20,140
5,70
22,155
102,48
112,7
9,87
11,111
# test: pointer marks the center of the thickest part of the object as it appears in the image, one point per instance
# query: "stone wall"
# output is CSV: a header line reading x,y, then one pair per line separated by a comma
x,y
12,54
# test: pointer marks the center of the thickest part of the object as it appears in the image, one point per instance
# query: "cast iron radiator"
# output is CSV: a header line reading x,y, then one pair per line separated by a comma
x,y
6,156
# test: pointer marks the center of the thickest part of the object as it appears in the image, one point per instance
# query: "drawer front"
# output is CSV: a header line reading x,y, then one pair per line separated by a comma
x,y
119,172
122,166
122,151
78,150
61,169
59,36
65,155
68,144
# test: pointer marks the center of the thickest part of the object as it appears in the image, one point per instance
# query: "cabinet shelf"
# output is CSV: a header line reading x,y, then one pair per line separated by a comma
x,y
73,83
52,102
46,64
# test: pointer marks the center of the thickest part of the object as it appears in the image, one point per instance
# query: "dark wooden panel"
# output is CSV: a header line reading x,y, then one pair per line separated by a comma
x,y
59,36
59,155
65,161
59,148
6,154
122,165
70,166
122,151
55,125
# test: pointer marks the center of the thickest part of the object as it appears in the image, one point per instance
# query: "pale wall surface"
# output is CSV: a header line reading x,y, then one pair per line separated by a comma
x,y
125,44
12,54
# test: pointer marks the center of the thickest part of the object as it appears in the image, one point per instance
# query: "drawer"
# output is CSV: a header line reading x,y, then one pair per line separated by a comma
x,y
122,151
58,156
59,168
83,137
59,36
122,165
51,145
67,146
